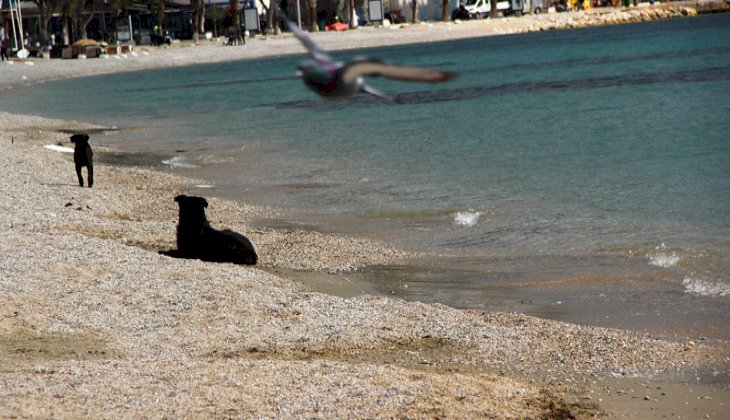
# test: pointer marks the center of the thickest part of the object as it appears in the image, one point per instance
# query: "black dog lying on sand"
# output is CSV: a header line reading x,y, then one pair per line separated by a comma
x,y
83,156
196,239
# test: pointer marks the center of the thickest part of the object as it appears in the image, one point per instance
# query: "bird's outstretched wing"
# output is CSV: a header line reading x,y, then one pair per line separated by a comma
x,y
374,67
313,48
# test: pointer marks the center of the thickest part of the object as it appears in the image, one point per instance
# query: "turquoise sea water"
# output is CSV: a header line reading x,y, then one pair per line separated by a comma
x,y
599,155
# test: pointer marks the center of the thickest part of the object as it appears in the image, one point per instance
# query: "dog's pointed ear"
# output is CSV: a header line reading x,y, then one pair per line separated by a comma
x,y
205,202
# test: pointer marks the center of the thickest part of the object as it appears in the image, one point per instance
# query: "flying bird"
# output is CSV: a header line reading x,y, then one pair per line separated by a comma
x,y
336,80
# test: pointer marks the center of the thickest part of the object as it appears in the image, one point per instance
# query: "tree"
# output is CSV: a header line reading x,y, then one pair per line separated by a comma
x,y
275,19
198,18
46,9
272,17
414,11
235,8
312,6
65,18
160,16
445,10
352,14
493,6
78,8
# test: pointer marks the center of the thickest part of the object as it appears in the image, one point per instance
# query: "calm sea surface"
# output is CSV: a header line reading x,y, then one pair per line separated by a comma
x,y
562,170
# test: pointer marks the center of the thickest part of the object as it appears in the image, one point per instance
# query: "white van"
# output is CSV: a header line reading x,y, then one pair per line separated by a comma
x,y
482,8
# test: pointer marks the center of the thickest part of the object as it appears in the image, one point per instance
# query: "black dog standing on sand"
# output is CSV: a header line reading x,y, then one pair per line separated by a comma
x,y
196,239
83,156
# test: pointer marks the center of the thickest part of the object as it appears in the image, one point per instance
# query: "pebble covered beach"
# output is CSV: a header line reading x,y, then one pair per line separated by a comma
x,y
94,322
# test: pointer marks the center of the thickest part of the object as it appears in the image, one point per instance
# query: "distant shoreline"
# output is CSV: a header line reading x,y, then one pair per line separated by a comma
x,y
17,73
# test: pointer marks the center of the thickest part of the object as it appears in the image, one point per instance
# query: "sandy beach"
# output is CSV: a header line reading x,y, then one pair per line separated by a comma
x,y
94,322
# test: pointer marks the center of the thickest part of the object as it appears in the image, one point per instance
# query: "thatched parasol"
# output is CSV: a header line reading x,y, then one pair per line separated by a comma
x,y
86,42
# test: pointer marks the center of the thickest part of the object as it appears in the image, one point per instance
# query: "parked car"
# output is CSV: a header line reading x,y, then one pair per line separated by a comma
x,y
483,8
480,9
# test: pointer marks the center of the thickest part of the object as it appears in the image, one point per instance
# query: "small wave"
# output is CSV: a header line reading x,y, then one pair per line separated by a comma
x,y
705,287
663,258
212,160
467,218
178,162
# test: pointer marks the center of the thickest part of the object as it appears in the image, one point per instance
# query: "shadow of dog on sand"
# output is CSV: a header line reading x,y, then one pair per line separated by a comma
x,y
197,240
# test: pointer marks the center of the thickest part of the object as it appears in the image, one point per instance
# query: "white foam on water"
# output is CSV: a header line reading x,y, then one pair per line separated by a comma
x,y
467,218
663,257
57,148
664,260
212,159
178,162
705,287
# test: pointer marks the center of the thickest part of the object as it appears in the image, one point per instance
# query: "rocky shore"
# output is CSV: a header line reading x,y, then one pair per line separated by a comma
x,y
608,16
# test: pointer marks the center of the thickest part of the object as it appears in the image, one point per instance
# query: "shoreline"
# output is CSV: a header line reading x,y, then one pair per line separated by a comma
x,y
17,72
87,300
581,298
96,323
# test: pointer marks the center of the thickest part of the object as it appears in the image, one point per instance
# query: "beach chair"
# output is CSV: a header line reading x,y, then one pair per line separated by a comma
x,y
92,51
